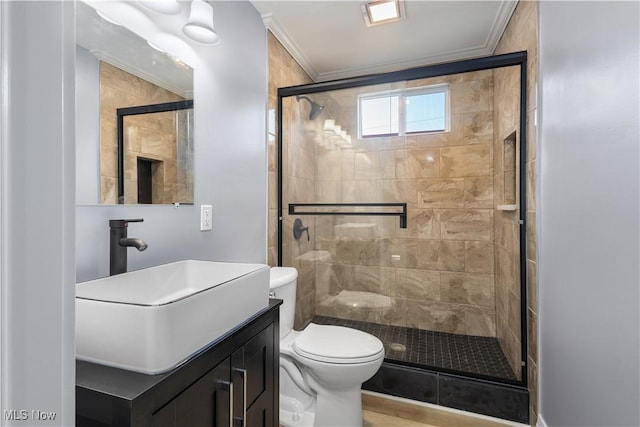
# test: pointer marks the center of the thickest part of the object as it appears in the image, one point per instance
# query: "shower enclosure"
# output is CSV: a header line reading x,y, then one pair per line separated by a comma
x,y
401,202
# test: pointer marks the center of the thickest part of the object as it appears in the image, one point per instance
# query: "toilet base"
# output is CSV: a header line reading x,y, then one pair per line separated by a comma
x,y
339,407
293,413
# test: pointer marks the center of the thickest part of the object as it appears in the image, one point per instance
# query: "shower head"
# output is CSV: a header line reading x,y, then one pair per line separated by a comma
x,y
316,108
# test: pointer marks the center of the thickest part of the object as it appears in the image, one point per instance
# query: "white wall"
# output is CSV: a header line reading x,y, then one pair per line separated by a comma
x,y
230,83
589,213
37,211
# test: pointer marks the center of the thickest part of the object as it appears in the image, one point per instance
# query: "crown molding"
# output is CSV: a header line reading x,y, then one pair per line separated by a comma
x,y
500,23
138,72
386,67
287,42
488,48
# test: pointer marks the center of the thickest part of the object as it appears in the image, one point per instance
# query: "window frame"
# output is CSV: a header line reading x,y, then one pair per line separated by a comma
x,y
402,95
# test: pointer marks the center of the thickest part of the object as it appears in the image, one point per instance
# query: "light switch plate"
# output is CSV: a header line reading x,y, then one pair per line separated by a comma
x,y
206,217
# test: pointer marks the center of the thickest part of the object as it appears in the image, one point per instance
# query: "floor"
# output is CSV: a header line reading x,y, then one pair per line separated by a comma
x,y
463,353
381,411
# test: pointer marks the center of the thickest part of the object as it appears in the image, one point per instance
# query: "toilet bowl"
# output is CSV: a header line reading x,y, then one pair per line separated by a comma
x,y
322,367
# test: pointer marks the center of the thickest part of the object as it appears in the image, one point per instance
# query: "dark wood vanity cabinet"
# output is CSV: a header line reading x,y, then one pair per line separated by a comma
x,y
252,369
237,392
234,382
202,404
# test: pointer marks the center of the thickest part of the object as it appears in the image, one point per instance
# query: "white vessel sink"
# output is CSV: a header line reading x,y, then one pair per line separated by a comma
x,y
154,319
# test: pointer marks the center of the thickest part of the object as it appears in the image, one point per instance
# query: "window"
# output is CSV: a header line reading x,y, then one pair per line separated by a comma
x,y
403,112
379,115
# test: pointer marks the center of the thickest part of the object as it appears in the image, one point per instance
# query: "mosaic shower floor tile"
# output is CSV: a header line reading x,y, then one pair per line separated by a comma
x,y
463,353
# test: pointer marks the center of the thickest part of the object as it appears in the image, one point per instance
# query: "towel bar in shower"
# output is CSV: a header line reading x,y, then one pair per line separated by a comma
x,y
363,209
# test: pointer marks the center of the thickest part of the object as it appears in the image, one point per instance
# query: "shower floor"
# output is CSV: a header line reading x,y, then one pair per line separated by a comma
x,y
463,353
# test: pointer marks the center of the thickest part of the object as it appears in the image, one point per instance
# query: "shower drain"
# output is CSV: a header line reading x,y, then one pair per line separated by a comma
x,y
397,347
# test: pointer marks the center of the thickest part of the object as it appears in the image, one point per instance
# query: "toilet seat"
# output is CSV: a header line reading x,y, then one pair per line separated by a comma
x,y
337,345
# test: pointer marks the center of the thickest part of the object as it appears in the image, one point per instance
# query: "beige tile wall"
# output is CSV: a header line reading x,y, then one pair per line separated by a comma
x,y
439,273
521,34
149,136
298,177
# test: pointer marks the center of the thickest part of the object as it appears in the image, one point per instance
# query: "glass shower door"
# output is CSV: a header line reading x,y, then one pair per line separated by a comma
x,y
405,235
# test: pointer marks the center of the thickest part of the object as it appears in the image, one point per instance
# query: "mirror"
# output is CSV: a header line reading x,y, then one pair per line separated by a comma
x,y
134,117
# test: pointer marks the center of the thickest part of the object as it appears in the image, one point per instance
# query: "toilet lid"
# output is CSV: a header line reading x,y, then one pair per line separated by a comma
x,y
337,344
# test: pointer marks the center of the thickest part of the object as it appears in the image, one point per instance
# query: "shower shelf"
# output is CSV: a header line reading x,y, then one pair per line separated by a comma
x,y
338,209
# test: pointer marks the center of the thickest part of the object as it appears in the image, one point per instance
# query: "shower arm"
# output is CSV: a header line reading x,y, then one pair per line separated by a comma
x,y
316,108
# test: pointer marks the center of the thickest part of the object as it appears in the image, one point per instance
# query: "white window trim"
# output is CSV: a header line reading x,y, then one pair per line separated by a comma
x,y
402,94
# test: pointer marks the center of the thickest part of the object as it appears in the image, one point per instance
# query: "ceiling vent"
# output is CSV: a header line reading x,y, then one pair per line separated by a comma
x,y
382,11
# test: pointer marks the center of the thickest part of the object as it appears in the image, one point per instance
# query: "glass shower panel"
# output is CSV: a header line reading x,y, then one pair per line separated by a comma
x,y
429,291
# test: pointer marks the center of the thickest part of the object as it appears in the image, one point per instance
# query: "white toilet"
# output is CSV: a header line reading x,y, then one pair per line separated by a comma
x,y
322,367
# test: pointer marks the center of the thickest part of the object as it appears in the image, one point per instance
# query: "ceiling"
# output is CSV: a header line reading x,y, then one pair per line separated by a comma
x,y
330,39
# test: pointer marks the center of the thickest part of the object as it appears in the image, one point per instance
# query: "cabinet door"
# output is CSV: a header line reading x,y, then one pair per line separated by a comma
x,y
253,379
205,403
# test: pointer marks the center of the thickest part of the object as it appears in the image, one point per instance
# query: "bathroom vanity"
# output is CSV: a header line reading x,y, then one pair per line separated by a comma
x,y
233,381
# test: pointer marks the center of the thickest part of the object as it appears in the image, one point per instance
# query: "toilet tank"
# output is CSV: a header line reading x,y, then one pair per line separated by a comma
x,y
282,283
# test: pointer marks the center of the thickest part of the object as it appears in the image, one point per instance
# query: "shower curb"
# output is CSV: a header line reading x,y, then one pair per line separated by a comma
x,y
468,394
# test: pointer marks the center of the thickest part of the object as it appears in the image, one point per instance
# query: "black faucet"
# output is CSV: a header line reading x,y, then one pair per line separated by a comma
x,y
119,244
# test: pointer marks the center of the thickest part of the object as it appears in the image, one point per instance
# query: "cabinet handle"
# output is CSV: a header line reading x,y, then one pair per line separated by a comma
x,y
229,385
243,373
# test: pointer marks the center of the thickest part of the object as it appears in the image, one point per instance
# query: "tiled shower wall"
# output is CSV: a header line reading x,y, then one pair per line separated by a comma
x,y
298,176
439,273
151,137
521,34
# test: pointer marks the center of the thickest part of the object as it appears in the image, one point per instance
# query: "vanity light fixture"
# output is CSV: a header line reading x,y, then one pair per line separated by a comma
x,y
167,7
331,135
108,18
200,24
155,47
345,141
382,11
337,129
335,134
329,124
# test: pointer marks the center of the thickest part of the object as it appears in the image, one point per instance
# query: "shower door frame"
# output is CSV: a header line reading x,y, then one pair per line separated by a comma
x,y
438,70
121,113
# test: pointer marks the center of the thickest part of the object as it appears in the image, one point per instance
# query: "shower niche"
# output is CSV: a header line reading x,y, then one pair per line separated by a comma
x,y
410,185
509,167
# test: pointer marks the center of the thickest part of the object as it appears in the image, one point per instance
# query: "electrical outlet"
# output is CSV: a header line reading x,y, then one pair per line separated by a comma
x,y
206,220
